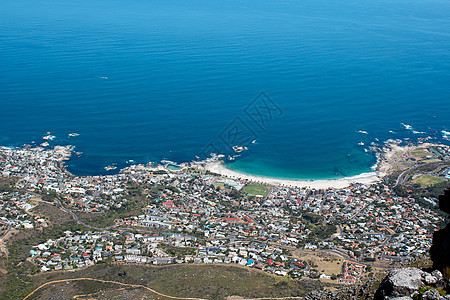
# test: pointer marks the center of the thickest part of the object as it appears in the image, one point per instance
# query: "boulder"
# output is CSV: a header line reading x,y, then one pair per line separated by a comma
x,y
430,279
438,275
432,294
400,282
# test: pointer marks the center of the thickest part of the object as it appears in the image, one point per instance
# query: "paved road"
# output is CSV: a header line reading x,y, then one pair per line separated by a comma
x,y
7,231
75,217
68,211
401,177
388,238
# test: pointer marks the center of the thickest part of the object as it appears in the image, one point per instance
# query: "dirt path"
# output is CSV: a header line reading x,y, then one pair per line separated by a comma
x,y
114,282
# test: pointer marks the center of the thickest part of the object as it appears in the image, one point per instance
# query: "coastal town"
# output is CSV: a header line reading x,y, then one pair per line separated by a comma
x,y
190,215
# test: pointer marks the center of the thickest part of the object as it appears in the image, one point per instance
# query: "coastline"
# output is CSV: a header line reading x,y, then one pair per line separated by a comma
x,y
387,161
364,178
390,157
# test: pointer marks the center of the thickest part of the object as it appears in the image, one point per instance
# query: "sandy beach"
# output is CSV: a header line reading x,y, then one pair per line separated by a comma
x,y
364,178
389,159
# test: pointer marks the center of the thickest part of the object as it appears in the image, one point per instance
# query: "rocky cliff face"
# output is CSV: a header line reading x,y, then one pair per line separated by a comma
x,y
440,249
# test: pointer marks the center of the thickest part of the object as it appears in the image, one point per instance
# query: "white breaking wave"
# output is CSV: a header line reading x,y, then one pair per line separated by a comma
x,y
409,127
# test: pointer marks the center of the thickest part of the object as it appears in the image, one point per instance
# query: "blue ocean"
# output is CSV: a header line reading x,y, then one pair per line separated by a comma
x,y
302,83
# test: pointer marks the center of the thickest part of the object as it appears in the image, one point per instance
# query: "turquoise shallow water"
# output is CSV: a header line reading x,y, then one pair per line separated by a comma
x,y
153,80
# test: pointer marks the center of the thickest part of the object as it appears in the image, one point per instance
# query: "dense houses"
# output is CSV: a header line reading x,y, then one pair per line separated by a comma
x,y
352,272
82,249
196,217
14,211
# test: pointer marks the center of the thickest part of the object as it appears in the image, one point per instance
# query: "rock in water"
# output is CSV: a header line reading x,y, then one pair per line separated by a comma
x,y
400,283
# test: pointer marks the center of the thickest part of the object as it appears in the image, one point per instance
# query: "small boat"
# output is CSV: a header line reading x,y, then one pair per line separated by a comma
x,y
361,143
73,134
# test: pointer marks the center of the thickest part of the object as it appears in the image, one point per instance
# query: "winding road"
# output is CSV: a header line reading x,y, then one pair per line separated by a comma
x,y
7,231
68,211
401,177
